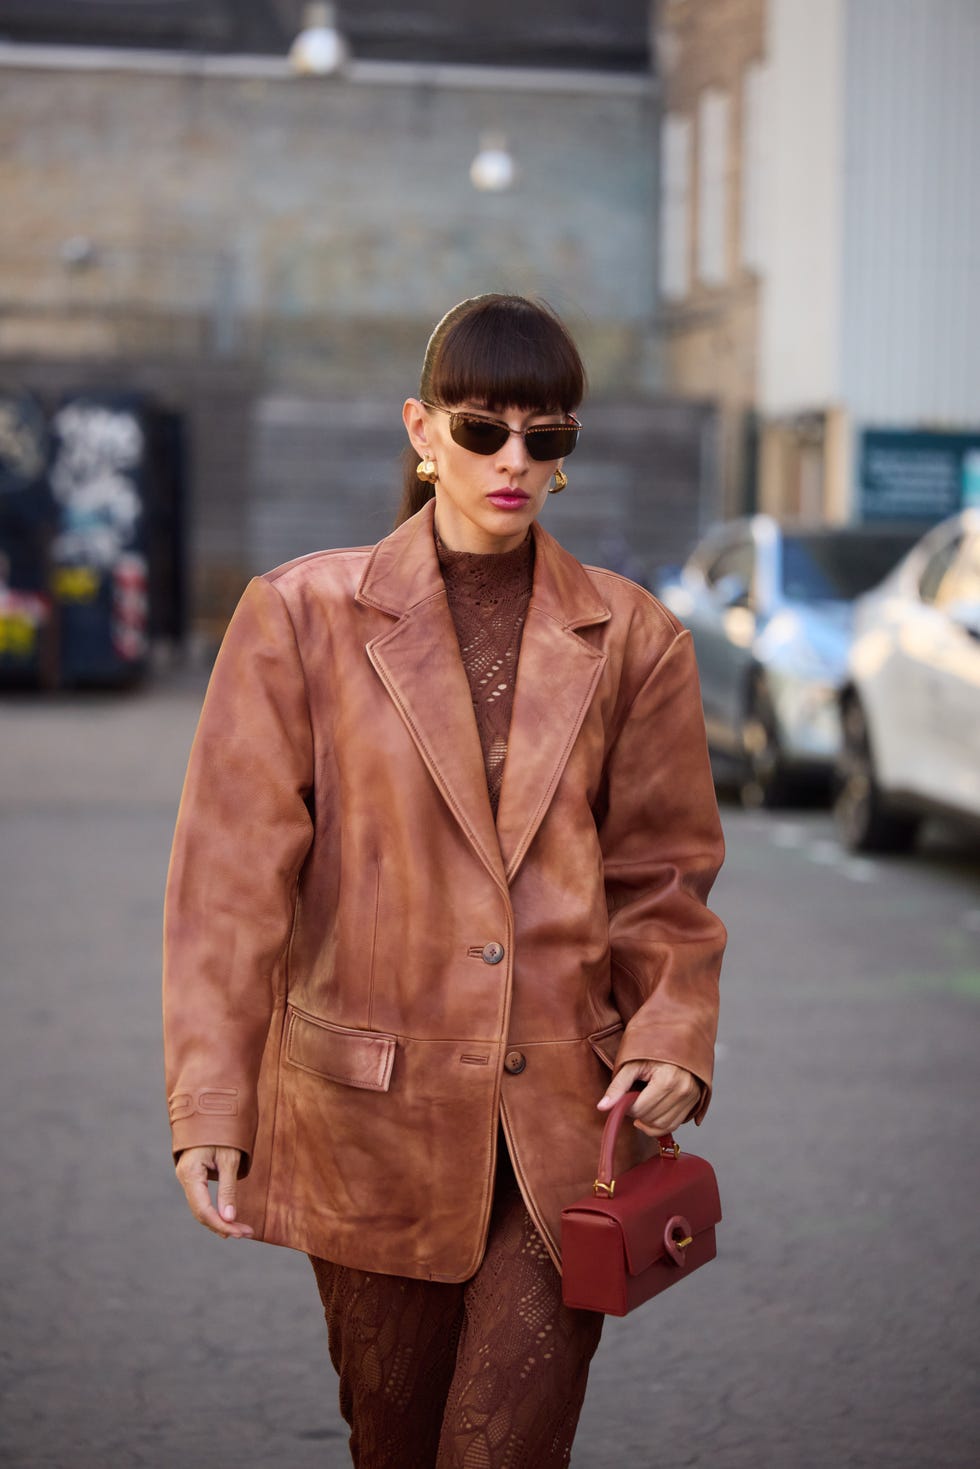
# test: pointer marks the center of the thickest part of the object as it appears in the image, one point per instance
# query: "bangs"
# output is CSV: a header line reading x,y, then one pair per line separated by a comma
x,y
505,351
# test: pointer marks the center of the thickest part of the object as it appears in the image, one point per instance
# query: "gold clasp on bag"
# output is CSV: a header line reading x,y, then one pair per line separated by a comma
x,y
604,1190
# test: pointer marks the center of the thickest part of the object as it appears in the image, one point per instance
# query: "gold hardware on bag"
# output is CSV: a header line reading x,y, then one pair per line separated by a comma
x,y
673,1150
682,1244
601,1189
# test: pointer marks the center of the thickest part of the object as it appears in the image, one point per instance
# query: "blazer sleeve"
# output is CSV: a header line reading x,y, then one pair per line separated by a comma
x,y
662,847
243,830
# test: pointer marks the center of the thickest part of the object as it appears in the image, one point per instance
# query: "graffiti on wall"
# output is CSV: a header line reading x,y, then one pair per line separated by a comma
x,y
94,478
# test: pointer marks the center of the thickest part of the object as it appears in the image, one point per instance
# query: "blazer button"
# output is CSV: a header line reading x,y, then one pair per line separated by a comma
x,y
493,953
514,1062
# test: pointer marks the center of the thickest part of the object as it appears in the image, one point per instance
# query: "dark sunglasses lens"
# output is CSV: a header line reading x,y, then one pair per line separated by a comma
x,y
551,443
477,435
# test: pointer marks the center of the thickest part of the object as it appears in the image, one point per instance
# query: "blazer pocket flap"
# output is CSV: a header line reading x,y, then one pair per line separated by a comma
x,y
606,1043
361,1058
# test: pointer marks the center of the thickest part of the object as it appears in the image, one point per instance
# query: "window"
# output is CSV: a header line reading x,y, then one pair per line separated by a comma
x,y
837,566
713,131
675,174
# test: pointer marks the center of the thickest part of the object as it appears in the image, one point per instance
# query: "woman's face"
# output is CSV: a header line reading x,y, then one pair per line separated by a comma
x,y
484,502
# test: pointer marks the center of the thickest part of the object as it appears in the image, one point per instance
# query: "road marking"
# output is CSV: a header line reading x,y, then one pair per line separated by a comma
x,y
791,836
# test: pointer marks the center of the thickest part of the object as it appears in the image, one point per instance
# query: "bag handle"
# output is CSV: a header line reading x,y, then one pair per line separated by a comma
x,y
605,1185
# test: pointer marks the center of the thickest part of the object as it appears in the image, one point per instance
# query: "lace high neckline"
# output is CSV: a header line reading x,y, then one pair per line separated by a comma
x,y
503,564
488,595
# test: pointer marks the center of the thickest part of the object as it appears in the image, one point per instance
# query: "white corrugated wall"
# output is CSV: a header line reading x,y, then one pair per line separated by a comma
x,y
799,198
910,325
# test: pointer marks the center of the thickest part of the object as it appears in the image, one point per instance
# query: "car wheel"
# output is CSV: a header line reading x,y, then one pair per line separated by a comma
x,y
763,780
864,822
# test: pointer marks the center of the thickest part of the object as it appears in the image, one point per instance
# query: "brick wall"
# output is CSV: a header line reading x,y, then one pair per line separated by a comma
x,y
271,255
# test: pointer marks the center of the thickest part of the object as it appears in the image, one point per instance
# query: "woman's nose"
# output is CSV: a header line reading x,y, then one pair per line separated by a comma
x,y
513,454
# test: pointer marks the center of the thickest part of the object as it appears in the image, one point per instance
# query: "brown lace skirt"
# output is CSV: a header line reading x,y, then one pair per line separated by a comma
x,y
489,1374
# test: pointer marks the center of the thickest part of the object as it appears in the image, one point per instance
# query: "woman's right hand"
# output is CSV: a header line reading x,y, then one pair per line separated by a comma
x,y
193,1168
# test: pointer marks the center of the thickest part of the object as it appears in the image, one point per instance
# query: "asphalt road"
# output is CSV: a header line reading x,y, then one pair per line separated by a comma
x,y
838,1326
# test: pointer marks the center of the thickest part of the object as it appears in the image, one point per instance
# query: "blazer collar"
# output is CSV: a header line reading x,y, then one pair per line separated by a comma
x,y
403,570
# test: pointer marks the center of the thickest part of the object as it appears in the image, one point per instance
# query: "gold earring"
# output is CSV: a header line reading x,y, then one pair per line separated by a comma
x,y
426,470
561,480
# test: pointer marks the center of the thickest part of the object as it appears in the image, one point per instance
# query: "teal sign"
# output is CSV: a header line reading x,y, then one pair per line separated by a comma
x,y
909,474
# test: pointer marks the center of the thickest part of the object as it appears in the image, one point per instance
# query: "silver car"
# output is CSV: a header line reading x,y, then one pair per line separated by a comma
x,y
769,606
911,704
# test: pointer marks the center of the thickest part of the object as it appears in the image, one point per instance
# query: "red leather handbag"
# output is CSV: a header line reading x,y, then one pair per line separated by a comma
x,y
635,1235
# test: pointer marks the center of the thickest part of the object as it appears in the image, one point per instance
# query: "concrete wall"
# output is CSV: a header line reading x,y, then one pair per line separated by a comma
x,y
323,225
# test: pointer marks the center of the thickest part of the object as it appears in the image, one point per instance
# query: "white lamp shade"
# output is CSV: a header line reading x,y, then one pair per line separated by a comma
x,y
492,170
320,49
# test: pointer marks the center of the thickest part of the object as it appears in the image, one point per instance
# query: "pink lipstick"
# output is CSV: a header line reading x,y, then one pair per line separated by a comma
x,y
509,499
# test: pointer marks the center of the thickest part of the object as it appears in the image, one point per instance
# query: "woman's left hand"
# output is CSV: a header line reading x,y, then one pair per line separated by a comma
x,y
667,1100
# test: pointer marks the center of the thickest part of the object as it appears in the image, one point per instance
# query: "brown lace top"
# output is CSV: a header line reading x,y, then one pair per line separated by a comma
x,y
488,597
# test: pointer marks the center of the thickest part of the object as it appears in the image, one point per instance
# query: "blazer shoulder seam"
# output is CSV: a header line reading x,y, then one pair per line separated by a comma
x,y
347,553
641,594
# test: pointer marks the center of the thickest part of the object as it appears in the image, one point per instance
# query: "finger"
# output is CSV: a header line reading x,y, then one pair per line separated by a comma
x,y
661,1125
208,1215
653,1100
667,1108
227,1160
195,1185
670,1112
619,1085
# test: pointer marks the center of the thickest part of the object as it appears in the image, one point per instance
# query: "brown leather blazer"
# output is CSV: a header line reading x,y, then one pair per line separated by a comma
x,y
363,975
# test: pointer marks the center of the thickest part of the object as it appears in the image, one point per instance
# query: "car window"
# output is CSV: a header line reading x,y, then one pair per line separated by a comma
x,y
735,560
838,566
961,583
936,568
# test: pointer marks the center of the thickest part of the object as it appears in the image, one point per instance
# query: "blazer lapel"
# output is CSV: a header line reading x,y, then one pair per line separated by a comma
x,y
557,677
418,662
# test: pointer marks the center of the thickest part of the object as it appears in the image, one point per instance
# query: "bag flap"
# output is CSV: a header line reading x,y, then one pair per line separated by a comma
x,y
649,1195
362,1058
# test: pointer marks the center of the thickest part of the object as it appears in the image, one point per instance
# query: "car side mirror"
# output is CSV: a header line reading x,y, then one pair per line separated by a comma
x,y
967,616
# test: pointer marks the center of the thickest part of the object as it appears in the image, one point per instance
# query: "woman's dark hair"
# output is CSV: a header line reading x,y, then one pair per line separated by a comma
x,y
500,351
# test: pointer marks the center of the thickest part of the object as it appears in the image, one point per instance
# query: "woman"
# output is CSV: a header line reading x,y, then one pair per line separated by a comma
x,y
437,898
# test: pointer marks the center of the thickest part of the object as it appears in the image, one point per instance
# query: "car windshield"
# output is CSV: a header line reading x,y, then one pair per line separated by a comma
x,y
837,566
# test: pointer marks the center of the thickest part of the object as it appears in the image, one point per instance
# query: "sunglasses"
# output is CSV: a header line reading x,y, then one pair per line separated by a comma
x,y
486,435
